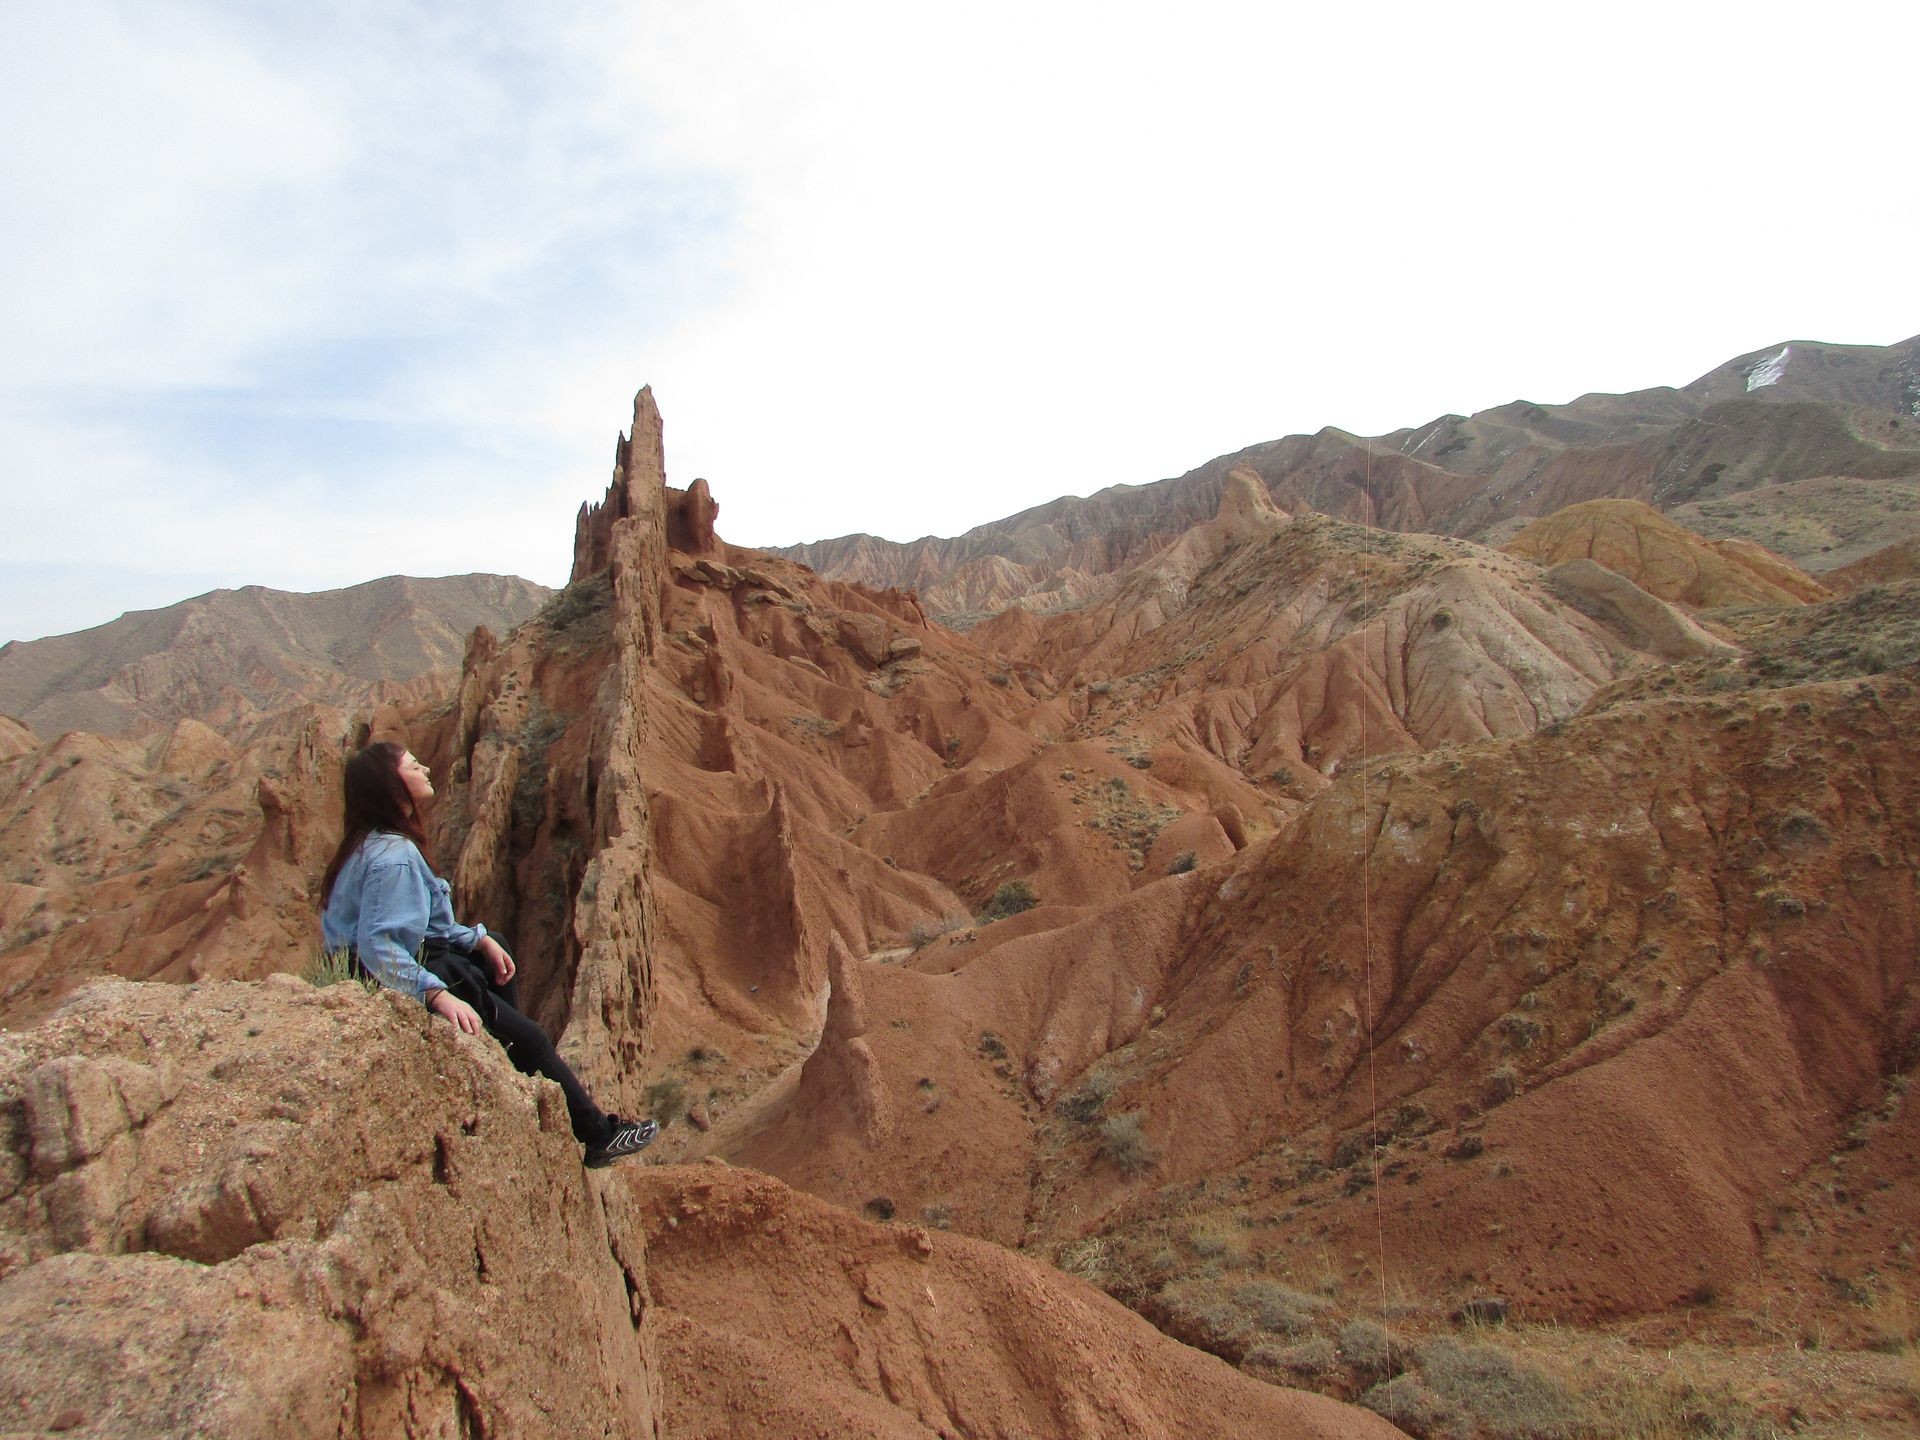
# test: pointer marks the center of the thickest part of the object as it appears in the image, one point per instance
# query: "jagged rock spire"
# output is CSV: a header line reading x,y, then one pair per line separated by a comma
x,y
639,477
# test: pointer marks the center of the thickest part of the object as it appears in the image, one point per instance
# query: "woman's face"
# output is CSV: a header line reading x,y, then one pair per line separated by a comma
x,y
416,778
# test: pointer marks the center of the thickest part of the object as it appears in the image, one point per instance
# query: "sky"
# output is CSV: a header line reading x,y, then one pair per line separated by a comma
x,y
300,296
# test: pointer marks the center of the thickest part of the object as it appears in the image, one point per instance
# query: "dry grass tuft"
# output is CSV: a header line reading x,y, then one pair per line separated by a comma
x,y
1124,1145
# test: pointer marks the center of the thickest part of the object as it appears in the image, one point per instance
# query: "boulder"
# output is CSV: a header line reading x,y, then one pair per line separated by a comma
x,y
265,1209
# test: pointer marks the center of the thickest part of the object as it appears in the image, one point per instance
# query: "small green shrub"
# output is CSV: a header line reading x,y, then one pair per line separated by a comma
x,y
538,731
1085,1104
1010,899
1183,862
581,601
333,967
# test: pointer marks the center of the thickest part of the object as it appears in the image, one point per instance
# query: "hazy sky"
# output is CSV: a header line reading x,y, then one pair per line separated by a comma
x,y
304,295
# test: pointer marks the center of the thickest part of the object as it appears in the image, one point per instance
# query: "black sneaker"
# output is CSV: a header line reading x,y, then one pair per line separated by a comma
x,y
628,1138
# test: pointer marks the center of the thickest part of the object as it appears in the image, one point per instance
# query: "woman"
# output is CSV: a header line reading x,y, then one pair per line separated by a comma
x,y
382,903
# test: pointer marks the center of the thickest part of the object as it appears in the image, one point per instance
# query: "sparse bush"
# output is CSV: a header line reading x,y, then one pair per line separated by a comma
x,y
577,602
1010,899
992,1046
880,1207
1783,906
1414,1408
1183,862
666,1100
1798,827
1198,1312
1085,1104
1501,1086
536,737
1506,1399
1124,1145
206,867
1279,1309
925,932
1374,1352
1217,1239
1521,1032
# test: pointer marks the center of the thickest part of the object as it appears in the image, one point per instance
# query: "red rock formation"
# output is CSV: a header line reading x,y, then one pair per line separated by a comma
x,y
359,1222
1665,560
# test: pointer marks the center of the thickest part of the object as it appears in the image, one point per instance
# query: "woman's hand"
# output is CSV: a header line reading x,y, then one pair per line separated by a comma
x,y
451,1007
497,958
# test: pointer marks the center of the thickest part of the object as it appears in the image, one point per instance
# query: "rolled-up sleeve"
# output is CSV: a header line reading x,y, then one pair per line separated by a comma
x,y
440,922
394,907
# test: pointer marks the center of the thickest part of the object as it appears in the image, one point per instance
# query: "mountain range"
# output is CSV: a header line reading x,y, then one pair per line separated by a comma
x,y
232,655
1812,450
1429,921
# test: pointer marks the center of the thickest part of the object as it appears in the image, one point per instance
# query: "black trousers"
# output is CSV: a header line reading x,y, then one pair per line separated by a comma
x,y
524,1041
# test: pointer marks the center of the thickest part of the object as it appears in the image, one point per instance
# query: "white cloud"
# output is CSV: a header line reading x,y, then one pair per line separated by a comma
x,y
887,267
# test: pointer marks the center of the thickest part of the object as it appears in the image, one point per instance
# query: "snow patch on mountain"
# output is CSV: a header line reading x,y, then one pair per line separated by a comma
x,y
1768,371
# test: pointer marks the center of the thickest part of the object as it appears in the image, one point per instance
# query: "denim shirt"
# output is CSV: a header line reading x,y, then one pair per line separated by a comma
x,y
386,904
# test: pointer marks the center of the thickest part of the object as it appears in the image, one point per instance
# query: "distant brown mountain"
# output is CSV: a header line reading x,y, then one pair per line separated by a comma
x,y
229,656
1810,449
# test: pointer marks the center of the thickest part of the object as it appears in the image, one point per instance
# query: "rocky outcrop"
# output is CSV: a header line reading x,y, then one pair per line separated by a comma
x,y
359,1221
281,1213
15,739
842,1069
189,856
639,474
546,814
1664,560
1646,621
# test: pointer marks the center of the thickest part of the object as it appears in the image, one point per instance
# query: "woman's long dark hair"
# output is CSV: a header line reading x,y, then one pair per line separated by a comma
x,y
377,799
